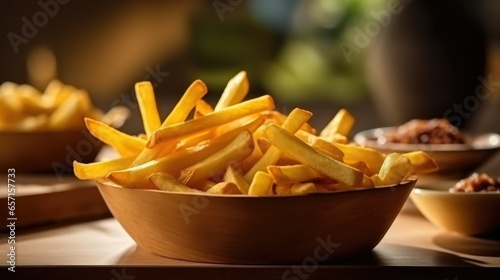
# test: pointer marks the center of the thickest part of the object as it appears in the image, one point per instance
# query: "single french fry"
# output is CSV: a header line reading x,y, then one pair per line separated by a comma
x,y
422,162
100,169
278,118
294,147
354,153
236,178
342,123
225,115
328,148
166,182
191,97
147,105
124,144
224,188
237,150
368,183
291,174
261,185
235,91
303,188
293,122
202,109
395,169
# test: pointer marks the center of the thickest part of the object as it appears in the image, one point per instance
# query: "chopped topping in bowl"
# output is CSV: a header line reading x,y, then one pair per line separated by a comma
x,y
477,182
433,131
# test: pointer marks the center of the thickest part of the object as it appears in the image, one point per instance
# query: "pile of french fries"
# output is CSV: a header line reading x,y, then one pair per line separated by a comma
x,y
60,107
242,147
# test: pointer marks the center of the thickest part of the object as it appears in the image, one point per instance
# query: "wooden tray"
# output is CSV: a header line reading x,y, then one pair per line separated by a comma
x,y
45,199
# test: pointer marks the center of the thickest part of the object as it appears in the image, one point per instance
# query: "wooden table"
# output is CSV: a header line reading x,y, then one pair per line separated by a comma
x,y
101,249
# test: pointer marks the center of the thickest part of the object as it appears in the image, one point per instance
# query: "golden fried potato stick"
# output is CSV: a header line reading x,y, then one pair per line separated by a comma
x,y
294,147
261,185
354,153
237,150
342,123
135,176
124,144
422,162
147,105
291,174
328,148
175,132
100,169
278,118
293,122
166,182
188,101
395,169
224,188
202,109
236,178
303,188
235,91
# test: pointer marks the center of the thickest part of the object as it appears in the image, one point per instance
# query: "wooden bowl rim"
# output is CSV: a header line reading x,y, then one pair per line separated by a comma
x,y
411,180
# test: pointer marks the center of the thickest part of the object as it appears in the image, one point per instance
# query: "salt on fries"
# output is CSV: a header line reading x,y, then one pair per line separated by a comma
x,y
242,147
60,107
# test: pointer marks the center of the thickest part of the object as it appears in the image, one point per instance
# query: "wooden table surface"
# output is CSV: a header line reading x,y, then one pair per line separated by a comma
x,y
101,249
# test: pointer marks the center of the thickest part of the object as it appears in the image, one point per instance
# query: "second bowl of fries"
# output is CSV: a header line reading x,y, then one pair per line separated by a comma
x,y
45,131
240,182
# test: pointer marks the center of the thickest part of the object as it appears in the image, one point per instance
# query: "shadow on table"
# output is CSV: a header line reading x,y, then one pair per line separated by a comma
x,y
488,246
383,255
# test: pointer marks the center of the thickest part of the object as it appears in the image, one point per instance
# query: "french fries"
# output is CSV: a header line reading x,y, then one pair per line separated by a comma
x,y
236,148
60,107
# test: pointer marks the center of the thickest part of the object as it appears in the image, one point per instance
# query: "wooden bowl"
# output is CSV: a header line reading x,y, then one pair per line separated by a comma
x,y
242,229
454,160
466,213
47,151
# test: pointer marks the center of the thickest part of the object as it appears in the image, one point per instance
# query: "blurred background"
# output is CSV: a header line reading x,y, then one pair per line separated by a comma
x,y
385,61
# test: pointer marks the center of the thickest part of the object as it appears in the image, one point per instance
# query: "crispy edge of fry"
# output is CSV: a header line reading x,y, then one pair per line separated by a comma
x,y
294,147
353,153
422,162
278,118
188,101
262,184
234,92
238,149
100,169
166,182
124,144
235,177
395,169
225,115
328,148
202,109
147,105
342,123
291,174
282,189
224,188
293,122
